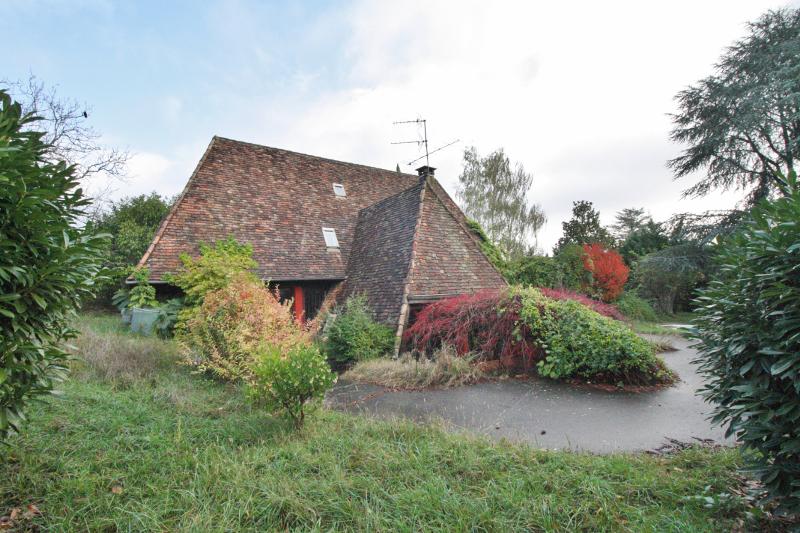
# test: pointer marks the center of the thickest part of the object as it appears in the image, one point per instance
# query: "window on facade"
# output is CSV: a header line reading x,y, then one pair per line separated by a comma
x,y
338,190
330,237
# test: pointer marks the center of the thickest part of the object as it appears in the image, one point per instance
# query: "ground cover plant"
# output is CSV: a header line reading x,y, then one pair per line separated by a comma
x,y
609,310
173,451
526,329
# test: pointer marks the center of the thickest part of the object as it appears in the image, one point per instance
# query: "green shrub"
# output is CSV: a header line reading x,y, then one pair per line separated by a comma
x,y
286,380
213,269
748,326
142,295
580,342
167,318
224,332
534,271
572,272
355,335
47,265
131,222
489,249
635,307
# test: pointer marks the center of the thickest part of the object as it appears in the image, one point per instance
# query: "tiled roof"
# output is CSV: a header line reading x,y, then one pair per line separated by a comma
x,y
276,200
381,252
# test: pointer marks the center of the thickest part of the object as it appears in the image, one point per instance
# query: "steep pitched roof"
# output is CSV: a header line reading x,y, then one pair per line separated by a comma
x,y
381,253
447,258
276,200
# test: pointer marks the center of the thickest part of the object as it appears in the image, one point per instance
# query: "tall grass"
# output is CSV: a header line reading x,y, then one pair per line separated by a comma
x,y
444,369
105,350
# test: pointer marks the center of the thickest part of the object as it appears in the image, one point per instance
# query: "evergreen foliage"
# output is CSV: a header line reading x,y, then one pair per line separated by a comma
x,y
748,329
48,266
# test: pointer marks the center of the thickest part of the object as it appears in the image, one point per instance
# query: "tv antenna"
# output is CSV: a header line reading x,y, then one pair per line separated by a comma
x,y
423,141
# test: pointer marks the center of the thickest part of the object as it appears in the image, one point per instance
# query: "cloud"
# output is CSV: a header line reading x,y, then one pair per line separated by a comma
x,y
577,92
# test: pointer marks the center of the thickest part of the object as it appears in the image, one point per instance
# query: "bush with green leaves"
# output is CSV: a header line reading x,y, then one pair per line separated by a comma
x,y
167,319
534,271
131,222
355,335
48,266
286,380
143,294
748,328
579,342
216,266
573,273
635,307
224,332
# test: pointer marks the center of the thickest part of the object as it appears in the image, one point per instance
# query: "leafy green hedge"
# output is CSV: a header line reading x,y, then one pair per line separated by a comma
x,y
355,335
47,265
635,308
580,342
748,326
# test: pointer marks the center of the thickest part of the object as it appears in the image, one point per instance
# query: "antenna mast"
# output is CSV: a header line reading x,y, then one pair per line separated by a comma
x,y
423,142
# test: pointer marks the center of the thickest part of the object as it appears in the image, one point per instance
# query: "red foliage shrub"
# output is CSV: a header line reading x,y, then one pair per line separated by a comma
x,y
565,294
485,323
608,270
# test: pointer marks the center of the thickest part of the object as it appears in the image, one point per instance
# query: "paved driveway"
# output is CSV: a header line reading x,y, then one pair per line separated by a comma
x,y
553,415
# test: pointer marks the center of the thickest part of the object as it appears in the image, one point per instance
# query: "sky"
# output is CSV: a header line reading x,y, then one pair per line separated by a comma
x,y
578,92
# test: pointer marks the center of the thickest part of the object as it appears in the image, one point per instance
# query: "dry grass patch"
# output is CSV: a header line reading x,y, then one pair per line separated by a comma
x,y
114,355
444,369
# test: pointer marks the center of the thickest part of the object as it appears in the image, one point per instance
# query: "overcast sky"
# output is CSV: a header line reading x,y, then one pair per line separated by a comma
x,y
578,92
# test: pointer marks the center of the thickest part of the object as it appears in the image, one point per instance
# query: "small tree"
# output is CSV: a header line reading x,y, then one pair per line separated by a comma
x,y
669,277
583,228
287,380
609,273
749,332
47,264
496,197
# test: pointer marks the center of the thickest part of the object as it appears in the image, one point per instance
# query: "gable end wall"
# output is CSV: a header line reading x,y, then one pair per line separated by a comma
x,y
447,259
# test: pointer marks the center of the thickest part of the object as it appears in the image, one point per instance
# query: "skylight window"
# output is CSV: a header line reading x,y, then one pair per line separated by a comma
x,y
330,237
338,190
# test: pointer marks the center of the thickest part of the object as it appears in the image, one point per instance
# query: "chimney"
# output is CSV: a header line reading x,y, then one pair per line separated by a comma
x,y
425,171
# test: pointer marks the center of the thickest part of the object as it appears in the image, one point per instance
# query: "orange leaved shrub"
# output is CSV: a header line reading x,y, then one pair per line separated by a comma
x,y
608,270
223,334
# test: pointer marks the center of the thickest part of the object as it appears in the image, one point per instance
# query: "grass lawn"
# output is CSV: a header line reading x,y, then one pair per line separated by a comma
x,y
153,448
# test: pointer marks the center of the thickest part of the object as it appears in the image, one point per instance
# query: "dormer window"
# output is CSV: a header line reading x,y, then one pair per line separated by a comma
x,y
330,237
338,190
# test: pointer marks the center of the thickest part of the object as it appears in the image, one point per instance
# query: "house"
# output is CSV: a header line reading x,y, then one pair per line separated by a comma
x,y
327,229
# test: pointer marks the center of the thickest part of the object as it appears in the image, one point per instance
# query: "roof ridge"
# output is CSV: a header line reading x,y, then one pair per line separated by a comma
x,y
395,195
339,161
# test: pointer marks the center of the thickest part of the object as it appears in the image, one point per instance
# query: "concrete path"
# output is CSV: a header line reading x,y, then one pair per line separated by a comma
x,y
553,415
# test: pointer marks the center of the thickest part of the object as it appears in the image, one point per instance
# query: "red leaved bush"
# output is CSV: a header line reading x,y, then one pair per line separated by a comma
x,y
485,323
609,272
565,294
